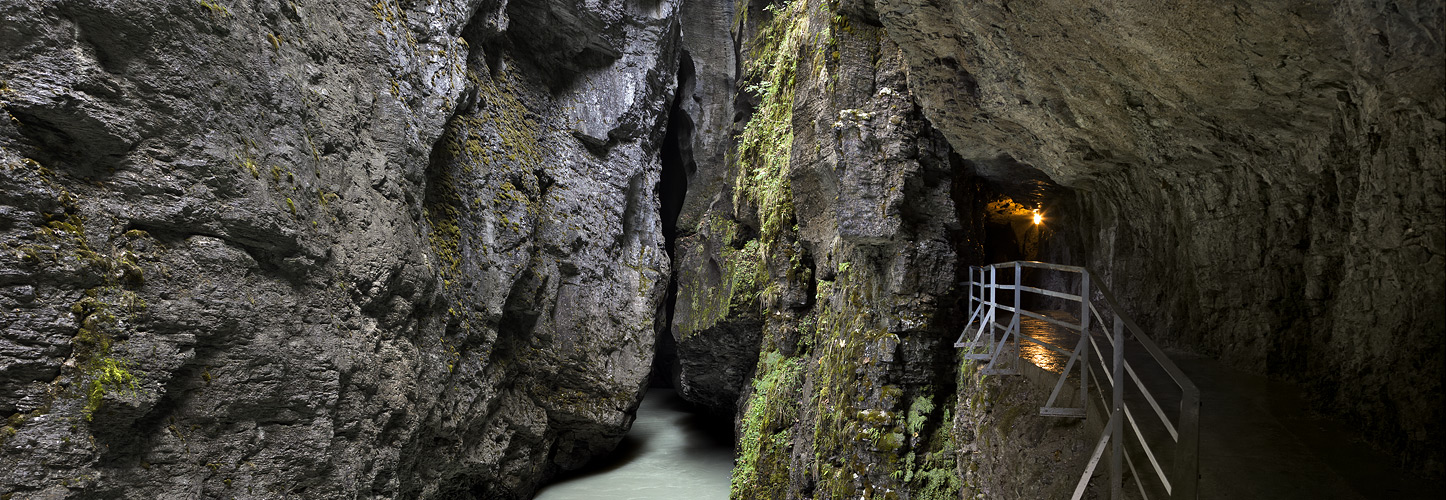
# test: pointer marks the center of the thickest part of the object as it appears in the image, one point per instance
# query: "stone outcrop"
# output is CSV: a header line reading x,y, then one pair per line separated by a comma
x,y
326,249
716,321
1008,450
829,253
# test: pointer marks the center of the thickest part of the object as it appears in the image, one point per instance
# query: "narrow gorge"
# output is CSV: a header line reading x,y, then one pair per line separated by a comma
x,y
442,249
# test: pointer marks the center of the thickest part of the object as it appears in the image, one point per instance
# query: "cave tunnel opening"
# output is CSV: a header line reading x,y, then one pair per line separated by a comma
x,y
998,201
1010,212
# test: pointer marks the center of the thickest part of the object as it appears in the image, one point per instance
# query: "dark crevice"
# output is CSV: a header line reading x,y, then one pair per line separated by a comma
x,y
677,155
672,188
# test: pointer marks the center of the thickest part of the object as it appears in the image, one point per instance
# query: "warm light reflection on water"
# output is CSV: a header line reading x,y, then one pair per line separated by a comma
x,y
1062,337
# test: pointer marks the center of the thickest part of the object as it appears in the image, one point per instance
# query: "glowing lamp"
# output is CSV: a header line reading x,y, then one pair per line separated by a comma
x,y
1038,217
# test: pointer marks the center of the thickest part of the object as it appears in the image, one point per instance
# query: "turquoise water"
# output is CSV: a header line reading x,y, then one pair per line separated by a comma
x,y
669,454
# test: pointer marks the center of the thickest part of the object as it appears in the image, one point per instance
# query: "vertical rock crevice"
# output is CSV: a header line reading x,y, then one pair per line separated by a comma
x,y
678,166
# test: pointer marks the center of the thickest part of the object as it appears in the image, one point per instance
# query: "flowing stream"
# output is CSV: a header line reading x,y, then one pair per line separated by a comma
x,y
669,454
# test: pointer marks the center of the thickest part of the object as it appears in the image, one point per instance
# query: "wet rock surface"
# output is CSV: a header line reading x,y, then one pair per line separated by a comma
x,y
1008,450
716,322
324,249
828,257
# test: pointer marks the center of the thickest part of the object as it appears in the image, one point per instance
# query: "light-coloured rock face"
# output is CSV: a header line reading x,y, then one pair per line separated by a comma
x,y
716,323
327,249
1262,182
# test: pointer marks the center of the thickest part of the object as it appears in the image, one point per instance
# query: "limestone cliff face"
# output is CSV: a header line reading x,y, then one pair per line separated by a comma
x,y
325,249
716,322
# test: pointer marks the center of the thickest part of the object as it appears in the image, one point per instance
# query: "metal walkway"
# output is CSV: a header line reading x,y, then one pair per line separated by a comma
x,y
1164,444
1254,438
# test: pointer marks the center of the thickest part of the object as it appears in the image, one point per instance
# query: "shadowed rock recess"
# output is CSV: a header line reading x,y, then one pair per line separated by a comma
x,y
424,248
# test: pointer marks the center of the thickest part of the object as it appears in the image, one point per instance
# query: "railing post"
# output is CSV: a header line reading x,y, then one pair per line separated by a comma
x,y
1187,453
1018,311
1084,330
993,303
969,292
974,284
1118,450
1084,301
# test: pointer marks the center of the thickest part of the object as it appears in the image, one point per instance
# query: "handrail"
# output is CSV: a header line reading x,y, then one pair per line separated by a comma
x,y
1181,482
1148,397
1170,367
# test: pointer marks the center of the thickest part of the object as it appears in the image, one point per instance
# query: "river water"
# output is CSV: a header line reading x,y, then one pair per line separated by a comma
x,y
669,454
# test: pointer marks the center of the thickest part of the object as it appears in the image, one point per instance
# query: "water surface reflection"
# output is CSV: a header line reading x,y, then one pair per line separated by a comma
x,y
1061,337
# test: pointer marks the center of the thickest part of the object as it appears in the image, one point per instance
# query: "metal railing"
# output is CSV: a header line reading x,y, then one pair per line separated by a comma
x,y
1002,353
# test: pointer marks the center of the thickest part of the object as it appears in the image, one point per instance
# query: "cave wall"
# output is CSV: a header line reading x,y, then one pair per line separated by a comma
x,y
1260,182
325,249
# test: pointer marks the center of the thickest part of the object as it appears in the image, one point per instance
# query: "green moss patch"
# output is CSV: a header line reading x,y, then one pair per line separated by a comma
x,y
765,450
744,276
104,311
766,144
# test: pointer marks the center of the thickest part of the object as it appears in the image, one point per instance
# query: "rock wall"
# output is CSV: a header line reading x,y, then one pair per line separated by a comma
x,y
325,249
828,256
716,320
1008,450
